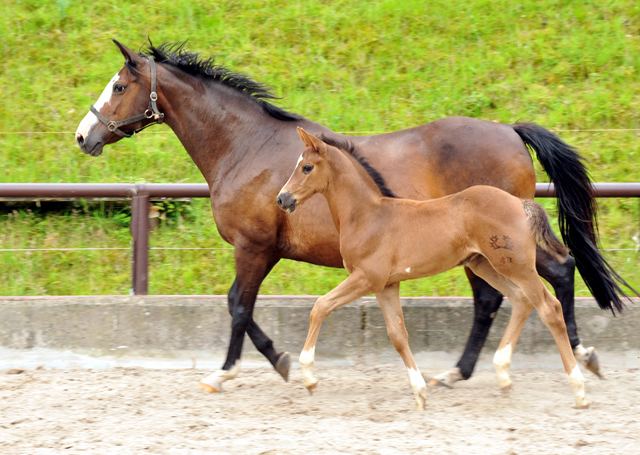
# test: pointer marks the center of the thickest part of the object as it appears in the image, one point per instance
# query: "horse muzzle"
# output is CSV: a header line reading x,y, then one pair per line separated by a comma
x,y
89,147
286,201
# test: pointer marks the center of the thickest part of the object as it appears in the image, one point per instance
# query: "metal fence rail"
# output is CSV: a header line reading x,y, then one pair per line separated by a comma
x,y
140,193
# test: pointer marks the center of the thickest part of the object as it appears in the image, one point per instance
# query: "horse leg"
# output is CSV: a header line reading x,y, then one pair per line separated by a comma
x,y
561,277
355,286
389,300
280,360
250,272
550,312
521,286
519,315
486,303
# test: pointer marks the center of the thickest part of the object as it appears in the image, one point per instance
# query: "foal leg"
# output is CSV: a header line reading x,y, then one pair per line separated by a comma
x,y
486,303
519,315
355,286
561,277
389,300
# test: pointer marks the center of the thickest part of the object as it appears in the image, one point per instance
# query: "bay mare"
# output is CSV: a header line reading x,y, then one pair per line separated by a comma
x,y
245,148
386,240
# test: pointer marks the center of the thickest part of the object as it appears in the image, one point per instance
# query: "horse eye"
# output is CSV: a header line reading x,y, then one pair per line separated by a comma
x,y
118,88
307,168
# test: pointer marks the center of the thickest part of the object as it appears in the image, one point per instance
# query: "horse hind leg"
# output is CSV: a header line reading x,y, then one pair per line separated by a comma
x,y
389,300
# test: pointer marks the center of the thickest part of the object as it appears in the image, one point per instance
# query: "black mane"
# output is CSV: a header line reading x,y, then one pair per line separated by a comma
x,y
353,150
193,63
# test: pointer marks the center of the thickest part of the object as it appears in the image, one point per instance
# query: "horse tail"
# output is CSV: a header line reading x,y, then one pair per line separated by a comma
x,y
577,211
542,232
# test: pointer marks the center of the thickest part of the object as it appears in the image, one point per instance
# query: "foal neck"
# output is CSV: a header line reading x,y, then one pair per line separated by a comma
x,y
351,193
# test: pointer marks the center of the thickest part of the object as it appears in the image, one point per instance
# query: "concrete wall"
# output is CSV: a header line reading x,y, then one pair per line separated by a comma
x,y
195,329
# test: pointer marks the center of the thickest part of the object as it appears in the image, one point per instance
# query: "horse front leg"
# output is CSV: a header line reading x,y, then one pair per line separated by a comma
x,y
561,277
486,303
389,301
251,269
355,286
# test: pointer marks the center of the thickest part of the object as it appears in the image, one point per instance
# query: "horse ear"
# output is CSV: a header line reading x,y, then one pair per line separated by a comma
x,y
129,55
312,141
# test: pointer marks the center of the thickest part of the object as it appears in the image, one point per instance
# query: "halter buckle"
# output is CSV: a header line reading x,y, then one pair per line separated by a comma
x,y
111,126
153,96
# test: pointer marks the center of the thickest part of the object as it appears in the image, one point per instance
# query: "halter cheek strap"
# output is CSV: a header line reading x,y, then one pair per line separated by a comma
x,y
152,111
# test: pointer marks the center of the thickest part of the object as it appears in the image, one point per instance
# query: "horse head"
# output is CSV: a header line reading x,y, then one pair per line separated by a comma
x,y
127,105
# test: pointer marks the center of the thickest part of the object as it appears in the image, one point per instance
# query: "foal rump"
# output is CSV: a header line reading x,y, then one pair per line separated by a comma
x,y
542,232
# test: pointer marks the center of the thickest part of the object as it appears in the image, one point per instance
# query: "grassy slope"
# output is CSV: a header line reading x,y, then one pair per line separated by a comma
x,y
354,66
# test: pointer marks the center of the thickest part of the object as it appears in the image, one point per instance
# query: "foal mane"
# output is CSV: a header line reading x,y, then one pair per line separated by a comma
x,y
193,63
350,148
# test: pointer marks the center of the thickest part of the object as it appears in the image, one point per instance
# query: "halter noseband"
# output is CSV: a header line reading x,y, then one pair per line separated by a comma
x,y
151,112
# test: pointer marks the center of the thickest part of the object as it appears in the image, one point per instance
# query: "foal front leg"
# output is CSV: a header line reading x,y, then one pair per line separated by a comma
x,y
355,286
389,300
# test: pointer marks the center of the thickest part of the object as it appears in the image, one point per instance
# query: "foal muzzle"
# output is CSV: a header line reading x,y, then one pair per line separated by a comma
x,y
286,202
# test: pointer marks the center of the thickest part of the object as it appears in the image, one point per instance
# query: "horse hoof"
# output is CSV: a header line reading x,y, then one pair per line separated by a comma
x,y
283,364
593,362
436,382
311,389
208,388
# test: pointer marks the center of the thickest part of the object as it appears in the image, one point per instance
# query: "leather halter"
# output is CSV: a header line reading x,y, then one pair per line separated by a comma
x,y
151,112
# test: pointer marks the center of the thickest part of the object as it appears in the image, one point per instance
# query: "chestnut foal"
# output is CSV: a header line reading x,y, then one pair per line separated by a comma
x,y
385,240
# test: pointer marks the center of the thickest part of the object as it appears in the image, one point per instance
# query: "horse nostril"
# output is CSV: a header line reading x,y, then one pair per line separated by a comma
x,y
79,138
279,200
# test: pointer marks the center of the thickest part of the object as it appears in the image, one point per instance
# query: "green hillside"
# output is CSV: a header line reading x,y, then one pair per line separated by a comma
x,y
354,66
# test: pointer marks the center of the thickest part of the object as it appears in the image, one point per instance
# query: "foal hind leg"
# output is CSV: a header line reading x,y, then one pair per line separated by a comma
x,y
561,277
521,309
486,303
355,286
389,300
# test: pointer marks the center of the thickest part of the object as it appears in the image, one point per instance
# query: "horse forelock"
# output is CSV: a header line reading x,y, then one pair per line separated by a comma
x,y
350,148
193,63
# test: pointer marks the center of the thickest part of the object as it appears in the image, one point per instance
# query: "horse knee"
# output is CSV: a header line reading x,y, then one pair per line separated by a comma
x,y
240,318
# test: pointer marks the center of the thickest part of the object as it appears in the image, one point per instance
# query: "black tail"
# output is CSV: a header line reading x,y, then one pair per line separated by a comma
x,y
577,213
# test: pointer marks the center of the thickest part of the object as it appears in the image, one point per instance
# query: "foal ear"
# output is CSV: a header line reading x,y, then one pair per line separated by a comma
x,y
311,141
130,56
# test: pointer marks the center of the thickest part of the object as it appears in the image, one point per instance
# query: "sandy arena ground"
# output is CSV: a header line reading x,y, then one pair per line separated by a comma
x,y
355,410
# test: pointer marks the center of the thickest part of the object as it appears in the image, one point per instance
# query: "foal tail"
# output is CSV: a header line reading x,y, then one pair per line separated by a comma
x,y
576,212
542,232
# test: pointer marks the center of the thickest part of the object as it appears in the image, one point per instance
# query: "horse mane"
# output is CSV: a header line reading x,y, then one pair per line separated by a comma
x,y
193,63
350,148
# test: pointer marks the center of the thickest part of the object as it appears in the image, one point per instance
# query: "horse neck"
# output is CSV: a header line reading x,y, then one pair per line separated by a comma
x,y
212,121
351,193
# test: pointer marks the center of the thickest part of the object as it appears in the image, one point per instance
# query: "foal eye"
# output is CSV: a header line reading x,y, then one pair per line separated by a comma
x,y
118,88
307,168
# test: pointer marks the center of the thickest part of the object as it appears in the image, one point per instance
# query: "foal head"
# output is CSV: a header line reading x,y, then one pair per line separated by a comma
x,y
310,176
124,107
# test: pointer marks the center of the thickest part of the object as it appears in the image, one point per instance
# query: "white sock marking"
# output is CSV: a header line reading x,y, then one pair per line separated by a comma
x,y
502,363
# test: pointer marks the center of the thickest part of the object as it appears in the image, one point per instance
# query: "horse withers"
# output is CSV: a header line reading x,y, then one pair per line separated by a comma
x,y
385,240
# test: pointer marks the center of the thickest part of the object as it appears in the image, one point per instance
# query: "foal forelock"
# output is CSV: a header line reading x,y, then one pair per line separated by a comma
x,y
350,148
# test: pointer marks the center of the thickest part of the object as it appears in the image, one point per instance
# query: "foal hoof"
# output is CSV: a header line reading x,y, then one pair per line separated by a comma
x,y
593,362
436,382
283,364
208,388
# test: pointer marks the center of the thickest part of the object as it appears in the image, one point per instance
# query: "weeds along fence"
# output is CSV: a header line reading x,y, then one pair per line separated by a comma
x,y
140,195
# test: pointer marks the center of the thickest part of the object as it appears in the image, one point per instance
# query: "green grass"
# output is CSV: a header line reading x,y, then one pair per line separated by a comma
x,y
353,66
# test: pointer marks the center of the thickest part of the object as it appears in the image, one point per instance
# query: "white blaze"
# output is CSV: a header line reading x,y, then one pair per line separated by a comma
x,y
90,119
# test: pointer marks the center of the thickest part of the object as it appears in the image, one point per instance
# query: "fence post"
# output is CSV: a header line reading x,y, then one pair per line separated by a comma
x,y
140,234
